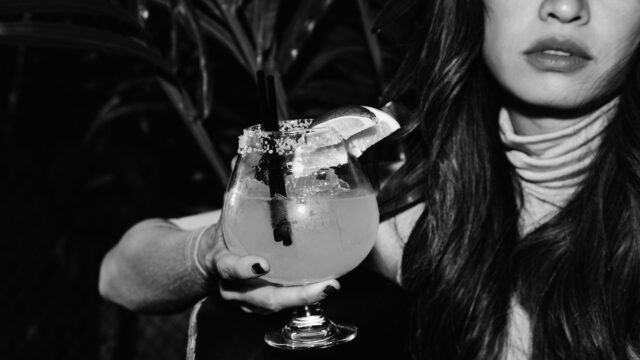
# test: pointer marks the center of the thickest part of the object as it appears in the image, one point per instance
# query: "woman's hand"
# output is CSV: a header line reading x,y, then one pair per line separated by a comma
x,y
238,279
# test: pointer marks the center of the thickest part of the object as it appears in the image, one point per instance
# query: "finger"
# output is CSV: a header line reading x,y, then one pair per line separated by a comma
x,y
273,298
229,266
247,309
235,292
250,309
233,267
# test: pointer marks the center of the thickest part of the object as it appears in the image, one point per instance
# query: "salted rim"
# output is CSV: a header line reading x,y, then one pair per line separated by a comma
x,y
291,134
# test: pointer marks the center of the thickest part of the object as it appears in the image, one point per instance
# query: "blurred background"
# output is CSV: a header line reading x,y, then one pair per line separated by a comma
x,y
113,111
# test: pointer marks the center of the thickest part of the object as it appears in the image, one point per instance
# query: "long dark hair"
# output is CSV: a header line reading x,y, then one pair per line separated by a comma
x,y
577,275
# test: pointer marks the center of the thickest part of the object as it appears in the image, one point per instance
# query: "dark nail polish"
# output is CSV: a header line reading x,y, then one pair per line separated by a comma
x,y
257,269
329,290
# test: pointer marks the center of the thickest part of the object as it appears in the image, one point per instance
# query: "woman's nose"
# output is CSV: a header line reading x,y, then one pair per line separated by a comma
x,y
565,11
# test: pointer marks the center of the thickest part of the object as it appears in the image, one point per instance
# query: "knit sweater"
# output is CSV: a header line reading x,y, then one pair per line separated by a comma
x,y
550,168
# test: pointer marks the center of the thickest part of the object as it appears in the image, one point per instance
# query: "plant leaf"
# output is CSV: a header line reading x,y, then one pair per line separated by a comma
x,y
188,114
64,6
303,22
110,114
211,8
83,9
324,59
185,12
229,5
261,16
242,40
47,34
213,28
102,9
367,18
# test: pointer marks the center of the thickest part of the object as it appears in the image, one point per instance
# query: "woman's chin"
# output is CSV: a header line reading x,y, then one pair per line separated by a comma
x,y
554,92
560,104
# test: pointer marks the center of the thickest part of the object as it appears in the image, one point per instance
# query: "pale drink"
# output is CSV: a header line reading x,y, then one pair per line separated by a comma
x,y
330,235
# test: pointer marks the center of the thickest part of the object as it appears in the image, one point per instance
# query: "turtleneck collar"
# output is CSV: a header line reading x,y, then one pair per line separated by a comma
x,y
551,166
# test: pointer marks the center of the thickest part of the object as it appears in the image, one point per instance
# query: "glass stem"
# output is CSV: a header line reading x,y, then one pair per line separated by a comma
x,y
308,323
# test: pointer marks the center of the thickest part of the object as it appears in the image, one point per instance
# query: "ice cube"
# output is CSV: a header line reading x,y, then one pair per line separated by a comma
x,y
309,159
252,187
324,182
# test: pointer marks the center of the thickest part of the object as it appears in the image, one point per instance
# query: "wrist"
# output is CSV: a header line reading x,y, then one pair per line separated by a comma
x,y
204,243
198,242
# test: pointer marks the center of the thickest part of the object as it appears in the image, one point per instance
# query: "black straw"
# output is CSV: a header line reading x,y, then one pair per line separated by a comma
x,y
272,115
262,96
269,119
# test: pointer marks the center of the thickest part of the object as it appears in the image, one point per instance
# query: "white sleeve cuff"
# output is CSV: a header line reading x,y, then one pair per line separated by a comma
x,y
197,221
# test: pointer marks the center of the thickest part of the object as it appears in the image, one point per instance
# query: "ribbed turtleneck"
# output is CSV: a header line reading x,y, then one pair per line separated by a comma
x,y
551,166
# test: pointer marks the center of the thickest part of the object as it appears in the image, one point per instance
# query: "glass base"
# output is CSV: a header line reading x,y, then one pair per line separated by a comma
x,y
310,329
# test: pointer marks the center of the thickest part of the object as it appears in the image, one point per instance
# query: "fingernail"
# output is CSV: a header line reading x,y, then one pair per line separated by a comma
x,y
329,290
257,269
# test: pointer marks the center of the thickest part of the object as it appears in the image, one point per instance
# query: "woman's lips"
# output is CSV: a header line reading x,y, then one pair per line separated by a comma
x,y
555,55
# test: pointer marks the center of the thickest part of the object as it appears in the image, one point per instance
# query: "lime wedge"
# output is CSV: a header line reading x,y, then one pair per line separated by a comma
x,y
360,126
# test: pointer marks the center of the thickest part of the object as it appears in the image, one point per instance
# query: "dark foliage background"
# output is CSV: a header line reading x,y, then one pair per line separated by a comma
x,y
91,143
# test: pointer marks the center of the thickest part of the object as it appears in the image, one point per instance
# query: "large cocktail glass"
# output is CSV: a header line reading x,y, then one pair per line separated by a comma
x,y
298,198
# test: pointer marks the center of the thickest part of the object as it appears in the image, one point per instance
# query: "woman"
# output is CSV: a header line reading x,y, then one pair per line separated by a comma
x,y
530,253
526,155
